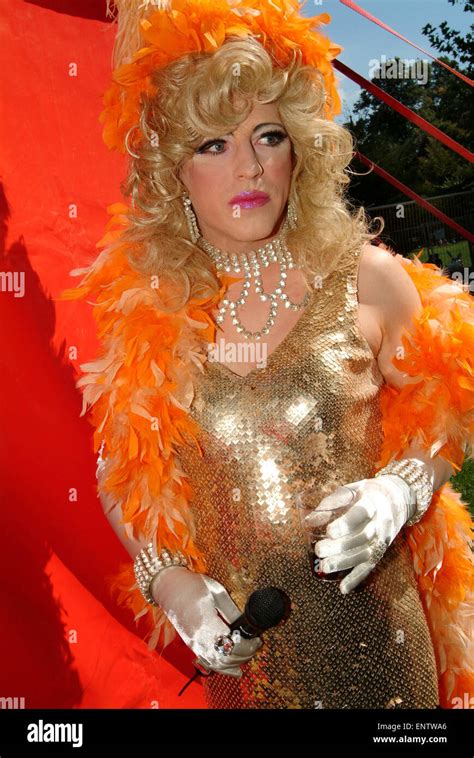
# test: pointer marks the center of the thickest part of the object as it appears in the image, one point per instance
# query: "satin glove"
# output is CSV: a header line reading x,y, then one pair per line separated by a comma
x,y
360,537
384,504
189,600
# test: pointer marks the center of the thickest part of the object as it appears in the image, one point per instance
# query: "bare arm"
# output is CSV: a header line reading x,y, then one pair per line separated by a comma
x,y
113,513
188,599
399,304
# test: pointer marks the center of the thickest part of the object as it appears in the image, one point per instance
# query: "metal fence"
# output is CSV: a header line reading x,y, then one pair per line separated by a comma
x,y
409,227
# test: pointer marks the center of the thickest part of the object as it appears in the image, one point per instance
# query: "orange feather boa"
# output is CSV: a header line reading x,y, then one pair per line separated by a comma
x,y
202,26
141,387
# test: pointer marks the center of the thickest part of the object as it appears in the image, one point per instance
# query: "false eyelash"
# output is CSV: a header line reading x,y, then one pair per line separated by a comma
x,y
276,133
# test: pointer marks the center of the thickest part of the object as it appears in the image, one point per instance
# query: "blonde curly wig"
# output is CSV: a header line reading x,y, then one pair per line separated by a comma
x,y
200,96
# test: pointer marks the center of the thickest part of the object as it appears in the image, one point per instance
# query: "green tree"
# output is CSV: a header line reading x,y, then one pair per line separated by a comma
x,y
451,41
400,147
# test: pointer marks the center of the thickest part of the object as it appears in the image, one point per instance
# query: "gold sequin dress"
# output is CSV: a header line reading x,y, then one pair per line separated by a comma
x,y
303,425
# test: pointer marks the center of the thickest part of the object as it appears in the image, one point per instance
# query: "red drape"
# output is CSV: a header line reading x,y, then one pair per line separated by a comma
x,y
65,643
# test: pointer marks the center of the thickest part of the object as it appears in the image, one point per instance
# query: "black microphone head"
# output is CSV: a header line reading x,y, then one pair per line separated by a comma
x,y
267,606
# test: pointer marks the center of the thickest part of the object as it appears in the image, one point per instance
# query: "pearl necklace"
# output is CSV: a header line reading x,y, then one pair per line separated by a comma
x,y
274,251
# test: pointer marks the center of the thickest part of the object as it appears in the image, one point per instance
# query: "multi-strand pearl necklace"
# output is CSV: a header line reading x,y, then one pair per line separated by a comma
x,y
274,251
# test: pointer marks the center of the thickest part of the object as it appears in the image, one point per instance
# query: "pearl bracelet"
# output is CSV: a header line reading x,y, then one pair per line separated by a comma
x,y
414,474
147,565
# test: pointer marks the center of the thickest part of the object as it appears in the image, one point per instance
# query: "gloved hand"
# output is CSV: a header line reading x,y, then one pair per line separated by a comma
x,y
190,600
360,537
384,504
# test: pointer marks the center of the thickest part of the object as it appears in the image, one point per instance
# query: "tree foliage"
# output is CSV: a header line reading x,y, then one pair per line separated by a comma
x,y
402,148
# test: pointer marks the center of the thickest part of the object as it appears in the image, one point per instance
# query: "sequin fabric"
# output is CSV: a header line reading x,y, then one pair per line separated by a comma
x,y
304,424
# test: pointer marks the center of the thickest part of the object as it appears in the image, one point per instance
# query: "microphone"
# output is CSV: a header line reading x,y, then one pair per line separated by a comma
x,y
264,609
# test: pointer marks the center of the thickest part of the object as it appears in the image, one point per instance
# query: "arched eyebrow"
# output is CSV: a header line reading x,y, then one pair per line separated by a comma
x,y
259,126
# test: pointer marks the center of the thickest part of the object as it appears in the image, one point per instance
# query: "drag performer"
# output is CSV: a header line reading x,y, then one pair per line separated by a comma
x,y
239,233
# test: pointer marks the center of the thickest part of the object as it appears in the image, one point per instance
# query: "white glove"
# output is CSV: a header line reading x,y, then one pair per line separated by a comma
x,y
383,506
189,600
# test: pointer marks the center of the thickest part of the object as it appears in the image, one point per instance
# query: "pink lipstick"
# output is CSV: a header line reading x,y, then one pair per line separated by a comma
x,y
250,199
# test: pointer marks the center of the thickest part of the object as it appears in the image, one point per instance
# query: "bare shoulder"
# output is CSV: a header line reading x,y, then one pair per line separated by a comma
x,y
383,279
388,298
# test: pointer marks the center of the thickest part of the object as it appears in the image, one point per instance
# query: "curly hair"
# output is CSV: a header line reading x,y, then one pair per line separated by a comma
x,y
203,94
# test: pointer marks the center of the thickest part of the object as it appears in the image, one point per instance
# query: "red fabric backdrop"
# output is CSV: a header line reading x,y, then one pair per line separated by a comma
x,y
65,643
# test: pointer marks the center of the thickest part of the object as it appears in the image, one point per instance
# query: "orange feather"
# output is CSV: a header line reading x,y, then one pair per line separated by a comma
x,y
145,476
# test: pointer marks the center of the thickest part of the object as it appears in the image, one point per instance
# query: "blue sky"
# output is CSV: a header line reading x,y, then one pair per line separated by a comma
x,y
363,40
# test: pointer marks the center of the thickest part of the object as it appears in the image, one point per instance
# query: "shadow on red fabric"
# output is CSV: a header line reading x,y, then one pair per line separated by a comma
x,y
65,642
